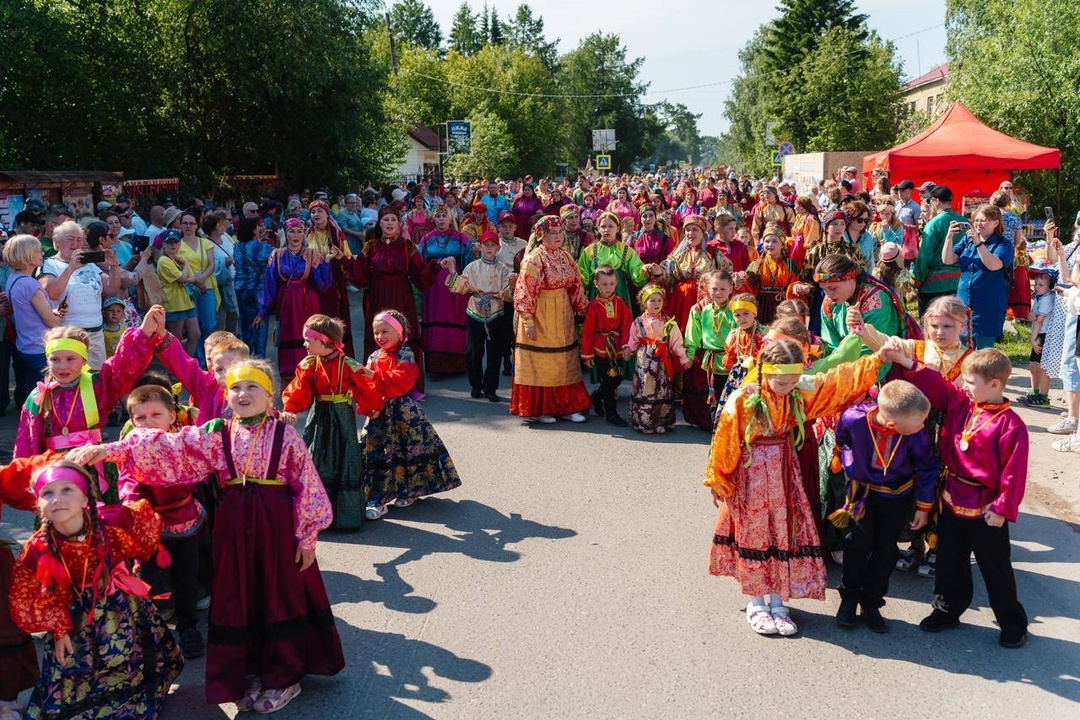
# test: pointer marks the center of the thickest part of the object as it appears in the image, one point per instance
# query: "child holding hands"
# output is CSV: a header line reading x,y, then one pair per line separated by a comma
x,y
605,332
338,387
743,344
655,338
707,330
984,450
266,574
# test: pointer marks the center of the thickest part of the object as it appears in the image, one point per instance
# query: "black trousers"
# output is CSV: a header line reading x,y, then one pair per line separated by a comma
x,y
608,383
958,538
870,549
482,340
181,577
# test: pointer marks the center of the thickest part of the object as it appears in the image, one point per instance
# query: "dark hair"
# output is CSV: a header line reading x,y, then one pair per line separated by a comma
x,y
836,264
328,326
400,317
95,231
150,393
245,229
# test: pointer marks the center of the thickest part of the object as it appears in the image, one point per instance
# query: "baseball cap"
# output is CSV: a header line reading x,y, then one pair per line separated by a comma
x,y
507,216
927,186
905,185
942,193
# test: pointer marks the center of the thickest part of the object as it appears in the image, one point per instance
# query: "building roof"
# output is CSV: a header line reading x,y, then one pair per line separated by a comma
x,y
427,137
941,72
13,179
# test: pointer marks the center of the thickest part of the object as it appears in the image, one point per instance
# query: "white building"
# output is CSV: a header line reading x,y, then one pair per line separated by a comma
x,y
422,157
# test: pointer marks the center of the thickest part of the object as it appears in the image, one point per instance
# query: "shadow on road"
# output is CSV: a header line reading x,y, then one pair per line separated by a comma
x,y
480,532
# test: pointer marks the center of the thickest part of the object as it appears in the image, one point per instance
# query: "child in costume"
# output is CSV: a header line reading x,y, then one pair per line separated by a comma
x,y
655,338
743,344
336,387
404,458
266,576
605,332
107,653
205,387
487,336
886,454
765,535
946,321
68,409
707,330
18,659
182,517
984,450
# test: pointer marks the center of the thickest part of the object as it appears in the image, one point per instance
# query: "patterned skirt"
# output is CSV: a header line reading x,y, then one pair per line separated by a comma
x,y
766,537
18,659
125,659
652,399
734,380
330,434
403,455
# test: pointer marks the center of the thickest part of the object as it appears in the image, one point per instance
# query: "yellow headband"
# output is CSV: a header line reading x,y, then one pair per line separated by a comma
x,y
788,369
744,305
69,344
253,374
649,291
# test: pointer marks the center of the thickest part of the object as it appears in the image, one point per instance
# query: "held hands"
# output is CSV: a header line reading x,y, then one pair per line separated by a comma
x,y
626,353
62,649
993,519
589,362
304,558
687,362
739,278
287,417
891,352
154,321
920,520
855,320
257,322
448,264
801,289
87,455
334,253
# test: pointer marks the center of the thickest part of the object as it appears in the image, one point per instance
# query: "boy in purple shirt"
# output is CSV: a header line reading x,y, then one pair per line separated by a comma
x,y
984,448
887,456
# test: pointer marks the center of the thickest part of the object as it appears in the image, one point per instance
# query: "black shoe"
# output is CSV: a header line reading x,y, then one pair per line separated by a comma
x,y
616,420
493,397
874,621
597,403
191,644
477,392
1012,641
938,621
845,616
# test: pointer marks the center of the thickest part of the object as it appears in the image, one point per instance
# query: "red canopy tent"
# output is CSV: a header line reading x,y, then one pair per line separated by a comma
x,y
960,152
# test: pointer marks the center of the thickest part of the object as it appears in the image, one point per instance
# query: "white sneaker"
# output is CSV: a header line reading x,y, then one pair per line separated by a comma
x,y
761,621
1065,427
575,417
546,419
1067,444
374,512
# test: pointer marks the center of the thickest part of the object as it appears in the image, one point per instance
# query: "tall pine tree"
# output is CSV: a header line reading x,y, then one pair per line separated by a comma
x,y
464,34
802,24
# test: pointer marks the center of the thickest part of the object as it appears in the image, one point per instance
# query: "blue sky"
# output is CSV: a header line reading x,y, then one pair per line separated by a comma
x,y
694,42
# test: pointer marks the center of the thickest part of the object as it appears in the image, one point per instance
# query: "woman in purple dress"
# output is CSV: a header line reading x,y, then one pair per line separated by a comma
x,y
443,322
526,205
291,289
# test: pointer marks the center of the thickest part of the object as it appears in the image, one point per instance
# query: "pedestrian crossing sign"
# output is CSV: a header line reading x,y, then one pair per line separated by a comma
x,y
603,162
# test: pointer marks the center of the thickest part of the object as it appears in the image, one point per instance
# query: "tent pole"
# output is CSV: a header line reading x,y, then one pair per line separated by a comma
x,y
1057,181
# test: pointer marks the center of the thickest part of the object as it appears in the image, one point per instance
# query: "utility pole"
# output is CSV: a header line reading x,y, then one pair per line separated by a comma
x,y
393,54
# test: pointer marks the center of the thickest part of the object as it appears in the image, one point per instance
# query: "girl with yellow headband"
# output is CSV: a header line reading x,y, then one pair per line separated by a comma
x,y
69,407
655,338
743,344
272,509
766,535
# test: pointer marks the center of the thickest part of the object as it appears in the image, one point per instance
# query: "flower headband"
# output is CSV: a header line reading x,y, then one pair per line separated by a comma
x,y
546,224
821,277
294,222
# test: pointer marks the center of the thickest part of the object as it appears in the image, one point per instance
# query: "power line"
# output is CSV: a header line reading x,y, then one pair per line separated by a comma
x,y
566,96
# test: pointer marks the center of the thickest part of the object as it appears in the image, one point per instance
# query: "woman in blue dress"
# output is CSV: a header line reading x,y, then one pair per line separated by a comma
x,y
985,257
443,315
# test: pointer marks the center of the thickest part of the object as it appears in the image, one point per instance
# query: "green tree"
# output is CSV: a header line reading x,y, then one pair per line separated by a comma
x,y
526,32
465,35
414,22
802,25
496,36
599,71
492,153
1014,64
745,143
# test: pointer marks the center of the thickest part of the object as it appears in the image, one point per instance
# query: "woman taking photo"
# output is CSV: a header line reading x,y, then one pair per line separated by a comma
x,y
201,284
291,287
984,256
174,273
547,363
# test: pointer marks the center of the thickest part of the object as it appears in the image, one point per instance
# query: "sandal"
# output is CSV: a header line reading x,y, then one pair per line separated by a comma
x,y
785,626
374,512
273,700
11,710
760,620
404,502
928,567
247,701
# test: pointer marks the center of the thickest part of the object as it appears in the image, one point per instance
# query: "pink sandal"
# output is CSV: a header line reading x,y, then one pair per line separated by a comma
x,y
273,700
247,701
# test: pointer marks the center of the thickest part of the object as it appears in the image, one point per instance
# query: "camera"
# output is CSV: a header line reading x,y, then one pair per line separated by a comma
x,y
90,257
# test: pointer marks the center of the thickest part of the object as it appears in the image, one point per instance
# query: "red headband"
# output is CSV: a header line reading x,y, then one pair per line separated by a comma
x,y
836,277
311,334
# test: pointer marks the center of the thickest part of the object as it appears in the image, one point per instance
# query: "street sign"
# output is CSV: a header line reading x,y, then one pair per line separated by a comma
x,y
603,162
603,140
459,137
776,161
786,148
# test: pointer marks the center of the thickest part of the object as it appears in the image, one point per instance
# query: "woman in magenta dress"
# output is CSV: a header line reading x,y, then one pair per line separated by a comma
x,y
623,208
443,324
526,205
291,289
652,244
418,221
388,267
689,206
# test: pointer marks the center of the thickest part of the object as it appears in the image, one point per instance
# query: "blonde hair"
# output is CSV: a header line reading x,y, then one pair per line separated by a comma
x,y
225,345
259,364
66,331
901,399
19,252
68,228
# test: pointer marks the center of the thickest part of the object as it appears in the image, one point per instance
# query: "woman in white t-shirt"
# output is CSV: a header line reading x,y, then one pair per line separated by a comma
x,y
67,280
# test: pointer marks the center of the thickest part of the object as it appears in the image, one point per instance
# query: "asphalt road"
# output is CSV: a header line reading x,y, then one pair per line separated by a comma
x,y
566,579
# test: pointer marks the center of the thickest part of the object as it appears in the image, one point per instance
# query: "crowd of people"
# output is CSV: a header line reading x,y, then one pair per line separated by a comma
x,y
838,345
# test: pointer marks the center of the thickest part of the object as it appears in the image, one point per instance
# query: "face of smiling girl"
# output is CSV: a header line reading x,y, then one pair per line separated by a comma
x,y
247,398
386,337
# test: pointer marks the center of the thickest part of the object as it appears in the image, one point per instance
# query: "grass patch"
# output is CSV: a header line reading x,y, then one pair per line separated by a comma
x,y
1018,346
